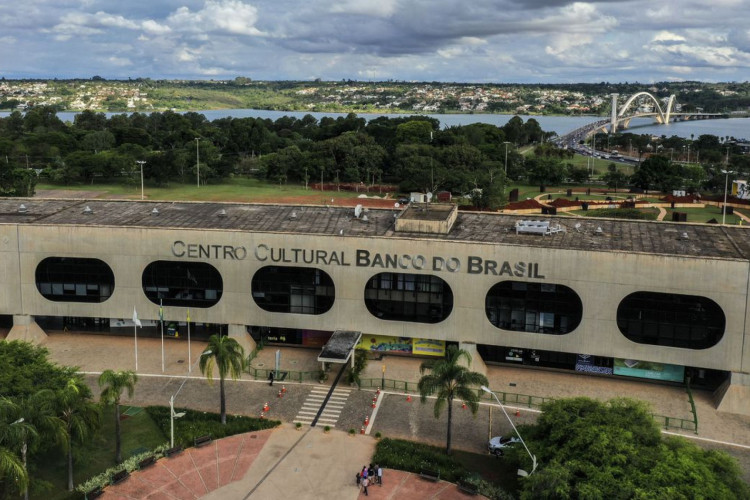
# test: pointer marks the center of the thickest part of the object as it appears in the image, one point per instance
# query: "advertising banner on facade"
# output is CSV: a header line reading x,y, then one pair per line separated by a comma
x,y
385,343
649,369
585,363
428,347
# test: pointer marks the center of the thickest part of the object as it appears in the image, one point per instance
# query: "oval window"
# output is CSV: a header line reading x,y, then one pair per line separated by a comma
x,y
182,284
669,319
72,279
298,290
418,298
544,308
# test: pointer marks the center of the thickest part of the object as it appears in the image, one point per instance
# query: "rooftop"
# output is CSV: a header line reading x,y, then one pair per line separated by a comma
x,y
678,239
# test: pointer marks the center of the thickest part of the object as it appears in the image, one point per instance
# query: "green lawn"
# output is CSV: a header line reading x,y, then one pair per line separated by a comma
x,y
239,189
138,432
704,215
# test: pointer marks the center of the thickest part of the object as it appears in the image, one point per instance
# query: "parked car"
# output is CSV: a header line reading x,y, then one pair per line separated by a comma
x,y
498,443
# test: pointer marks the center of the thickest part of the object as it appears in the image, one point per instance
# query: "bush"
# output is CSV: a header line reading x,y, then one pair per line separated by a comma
x,y
413,457
196,424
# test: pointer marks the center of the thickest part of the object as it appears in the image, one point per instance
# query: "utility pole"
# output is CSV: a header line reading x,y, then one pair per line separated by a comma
x,y
198,162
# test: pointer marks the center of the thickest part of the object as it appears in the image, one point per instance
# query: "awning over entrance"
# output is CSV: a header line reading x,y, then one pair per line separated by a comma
x,y
340,346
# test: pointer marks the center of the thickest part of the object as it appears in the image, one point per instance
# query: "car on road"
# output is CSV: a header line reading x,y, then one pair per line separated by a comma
x,y
498,444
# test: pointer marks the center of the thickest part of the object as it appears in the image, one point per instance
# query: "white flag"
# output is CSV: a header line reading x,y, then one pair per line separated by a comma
x,y
135,318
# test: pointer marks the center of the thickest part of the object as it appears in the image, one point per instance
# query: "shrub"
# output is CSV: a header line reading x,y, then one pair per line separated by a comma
x,y
196,424
413,457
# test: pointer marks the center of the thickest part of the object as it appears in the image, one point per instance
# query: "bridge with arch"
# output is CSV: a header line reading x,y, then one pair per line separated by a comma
x,y
621,116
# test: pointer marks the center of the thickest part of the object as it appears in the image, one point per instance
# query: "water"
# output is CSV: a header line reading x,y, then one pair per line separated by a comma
x,y
733,127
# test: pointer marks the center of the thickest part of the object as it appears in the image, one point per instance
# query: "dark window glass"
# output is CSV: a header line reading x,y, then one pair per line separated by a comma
x,y
533,307
67,279
300,290
408,297
671,320
182,284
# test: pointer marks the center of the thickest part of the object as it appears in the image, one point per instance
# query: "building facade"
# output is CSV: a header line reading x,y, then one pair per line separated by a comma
x,y
596,295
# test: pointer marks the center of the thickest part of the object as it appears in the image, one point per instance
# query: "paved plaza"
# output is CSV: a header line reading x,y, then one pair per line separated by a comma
x,y
309,463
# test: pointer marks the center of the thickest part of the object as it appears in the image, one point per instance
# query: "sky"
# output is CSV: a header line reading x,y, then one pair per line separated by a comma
x,y
481,41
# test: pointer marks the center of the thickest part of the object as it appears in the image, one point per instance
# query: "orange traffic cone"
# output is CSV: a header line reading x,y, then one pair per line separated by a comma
x,y
283,388
266,407
463,406
280,394
518,412
378,391
408,398
262,416
362,430
367,420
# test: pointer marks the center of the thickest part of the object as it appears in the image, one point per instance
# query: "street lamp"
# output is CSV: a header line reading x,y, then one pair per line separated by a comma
x,y
726,184
521,472
198,162
141,162
506,157
172,414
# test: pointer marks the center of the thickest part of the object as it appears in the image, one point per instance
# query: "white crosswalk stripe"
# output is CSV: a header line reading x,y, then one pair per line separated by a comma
x,y
313,402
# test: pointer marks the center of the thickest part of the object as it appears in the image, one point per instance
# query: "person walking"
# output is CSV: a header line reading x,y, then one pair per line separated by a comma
x,y
364,472
379,472
365,483
359,478
270,378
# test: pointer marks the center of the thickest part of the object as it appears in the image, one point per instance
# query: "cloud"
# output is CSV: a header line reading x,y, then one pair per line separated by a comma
x,y
480,40
219,16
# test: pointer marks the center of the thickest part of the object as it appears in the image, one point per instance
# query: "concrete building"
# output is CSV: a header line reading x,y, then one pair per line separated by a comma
x,y
630,298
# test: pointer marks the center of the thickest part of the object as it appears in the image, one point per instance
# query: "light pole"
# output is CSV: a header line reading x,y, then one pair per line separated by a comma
x,y
198,162
521,472
726,184
172,414
506,157
141,162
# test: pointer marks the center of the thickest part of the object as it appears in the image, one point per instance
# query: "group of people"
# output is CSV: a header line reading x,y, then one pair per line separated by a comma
x,y
369,475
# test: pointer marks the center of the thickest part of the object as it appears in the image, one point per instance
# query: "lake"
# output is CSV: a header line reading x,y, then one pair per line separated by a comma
x,y
733,127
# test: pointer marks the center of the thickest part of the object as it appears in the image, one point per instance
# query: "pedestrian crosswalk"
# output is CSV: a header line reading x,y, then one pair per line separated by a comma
x,y
314,401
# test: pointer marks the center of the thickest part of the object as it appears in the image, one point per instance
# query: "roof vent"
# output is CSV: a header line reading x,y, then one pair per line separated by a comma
x,y
684,236
365,218
599,230
22,209
222,213
155,211
88,210
293,216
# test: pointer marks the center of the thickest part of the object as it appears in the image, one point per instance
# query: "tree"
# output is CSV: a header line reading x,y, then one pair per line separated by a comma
x,y
229,358
114,384
449,380
80,416
614,449
615,179
13,432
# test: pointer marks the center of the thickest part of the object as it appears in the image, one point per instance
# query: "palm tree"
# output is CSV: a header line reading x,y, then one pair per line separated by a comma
x,y
449,380
229,357
13,430
79,415
114,384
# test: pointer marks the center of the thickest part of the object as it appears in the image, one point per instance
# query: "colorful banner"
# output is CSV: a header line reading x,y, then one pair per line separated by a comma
x,y
428,347
385,343
649,369
585,363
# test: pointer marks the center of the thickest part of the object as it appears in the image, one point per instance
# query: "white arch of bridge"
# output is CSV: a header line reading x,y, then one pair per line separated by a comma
x,y
662,116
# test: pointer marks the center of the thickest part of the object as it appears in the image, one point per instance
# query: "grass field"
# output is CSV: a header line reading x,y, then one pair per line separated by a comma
x,y
138,432
238,189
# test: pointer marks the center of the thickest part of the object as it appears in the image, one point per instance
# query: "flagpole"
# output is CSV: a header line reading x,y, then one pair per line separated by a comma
x,y
161,317
135,335
190,359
